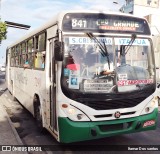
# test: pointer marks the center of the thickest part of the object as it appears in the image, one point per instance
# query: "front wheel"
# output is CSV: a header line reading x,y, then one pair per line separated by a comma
x,y
38,117
38,114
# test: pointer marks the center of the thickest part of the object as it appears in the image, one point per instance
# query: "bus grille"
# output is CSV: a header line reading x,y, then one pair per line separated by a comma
x,y
114,104
115,127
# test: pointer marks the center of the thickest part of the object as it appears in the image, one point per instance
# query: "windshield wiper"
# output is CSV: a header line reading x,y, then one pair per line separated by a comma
x,y
104,50
133,37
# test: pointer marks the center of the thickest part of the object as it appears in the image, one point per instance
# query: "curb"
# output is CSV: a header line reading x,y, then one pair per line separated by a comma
x,y
3,99
14,131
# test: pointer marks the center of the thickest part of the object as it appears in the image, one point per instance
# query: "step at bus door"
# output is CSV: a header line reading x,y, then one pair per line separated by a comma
x,y
52,74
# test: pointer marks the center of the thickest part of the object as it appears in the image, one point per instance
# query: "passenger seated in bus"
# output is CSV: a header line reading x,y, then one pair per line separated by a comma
x,y
35,60
26,64
38,60
108,67
43,61
108,70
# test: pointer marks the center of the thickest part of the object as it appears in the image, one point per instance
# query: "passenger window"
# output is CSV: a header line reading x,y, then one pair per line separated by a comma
x,y
39,60
23,53
42,42
39,54
30,45
12,56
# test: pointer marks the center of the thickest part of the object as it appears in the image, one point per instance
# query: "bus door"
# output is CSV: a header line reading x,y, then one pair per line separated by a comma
x,y
53,118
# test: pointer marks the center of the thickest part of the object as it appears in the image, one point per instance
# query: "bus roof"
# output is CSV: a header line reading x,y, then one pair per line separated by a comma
x,y
54,20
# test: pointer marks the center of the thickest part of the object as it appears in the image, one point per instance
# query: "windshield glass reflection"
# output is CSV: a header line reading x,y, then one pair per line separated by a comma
x,y
86,68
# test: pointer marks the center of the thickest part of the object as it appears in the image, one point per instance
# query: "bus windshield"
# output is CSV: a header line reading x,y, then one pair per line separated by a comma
x,y
88,68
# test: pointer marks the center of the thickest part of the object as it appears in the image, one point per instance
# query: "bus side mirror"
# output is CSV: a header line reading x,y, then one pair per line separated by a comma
x,y
58,50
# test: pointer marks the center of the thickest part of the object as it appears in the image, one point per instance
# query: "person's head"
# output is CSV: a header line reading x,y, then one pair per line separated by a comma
x,y
90,48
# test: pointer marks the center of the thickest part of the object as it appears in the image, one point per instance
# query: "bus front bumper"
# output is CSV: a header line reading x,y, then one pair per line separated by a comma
x,y
73,131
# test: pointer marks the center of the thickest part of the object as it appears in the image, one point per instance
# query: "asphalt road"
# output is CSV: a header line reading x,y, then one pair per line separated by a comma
x,y
26,127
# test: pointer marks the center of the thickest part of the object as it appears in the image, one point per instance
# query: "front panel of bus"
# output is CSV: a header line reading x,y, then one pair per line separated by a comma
x,y
107,77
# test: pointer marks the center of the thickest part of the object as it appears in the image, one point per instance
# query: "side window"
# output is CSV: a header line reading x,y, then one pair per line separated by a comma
x,y
31,52
12,56
30,49
42,42
40,45
30,45
30,59
15,59
23,54
36,42
17,55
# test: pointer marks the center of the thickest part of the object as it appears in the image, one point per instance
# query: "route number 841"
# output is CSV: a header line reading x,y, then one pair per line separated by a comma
x,y
79,23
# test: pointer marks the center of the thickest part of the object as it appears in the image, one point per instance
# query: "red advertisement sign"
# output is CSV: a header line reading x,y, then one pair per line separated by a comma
x,y
149,123
134,82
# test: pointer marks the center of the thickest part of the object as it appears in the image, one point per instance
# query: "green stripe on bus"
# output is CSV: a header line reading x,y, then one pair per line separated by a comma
x,y
71,131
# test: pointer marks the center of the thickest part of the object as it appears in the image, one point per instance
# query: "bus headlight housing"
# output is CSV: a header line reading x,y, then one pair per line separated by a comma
x,y
73,113
150,106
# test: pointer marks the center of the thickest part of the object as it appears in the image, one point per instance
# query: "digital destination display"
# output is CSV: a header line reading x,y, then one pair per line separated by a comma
x,y
104,23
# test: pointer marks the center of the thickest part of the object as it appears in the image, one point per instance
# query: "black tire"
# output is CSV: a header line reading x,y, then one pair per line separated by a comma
x,y
37,113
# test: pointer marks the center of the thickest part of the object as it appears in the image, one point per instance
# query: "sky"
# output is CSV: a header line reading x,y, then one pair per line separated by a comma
x,y
36,12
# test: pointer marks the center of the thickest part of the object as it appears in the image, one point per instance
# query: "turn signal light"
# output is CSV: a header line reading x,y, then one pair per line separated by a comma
x,y
64,105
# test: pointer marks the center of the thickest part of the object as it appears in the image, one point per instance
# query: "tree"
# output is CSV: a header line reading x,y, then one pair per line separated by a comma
x,y
3,31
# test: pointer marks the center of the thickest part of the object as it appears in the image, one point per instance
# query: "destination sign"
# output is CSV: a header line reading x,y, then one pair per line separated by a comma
x,y
87,40
104,23
126,41
98,85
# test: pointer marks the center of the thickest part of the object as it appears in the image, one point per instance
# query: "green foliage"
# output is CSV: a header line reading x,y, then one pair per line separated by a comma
x,y
3,31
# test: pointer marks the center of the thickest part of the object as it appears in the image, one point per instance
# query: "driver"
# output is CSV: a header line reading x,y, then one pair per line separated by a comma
x,y
108,67
108,70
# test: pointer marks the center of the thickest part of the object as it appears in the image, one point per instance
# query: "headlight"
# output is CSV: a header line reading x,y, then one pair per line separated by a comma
x,y
150,106
73,113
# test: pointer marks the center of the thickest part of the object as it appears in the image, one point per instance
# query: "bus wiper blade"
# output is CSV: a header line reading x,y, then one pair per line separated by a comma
x,y
133,37
104,50
92,37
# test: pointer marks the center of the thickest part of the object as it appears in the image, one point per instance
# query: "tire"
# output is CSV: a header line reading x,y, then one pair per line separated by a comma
x,y
38,113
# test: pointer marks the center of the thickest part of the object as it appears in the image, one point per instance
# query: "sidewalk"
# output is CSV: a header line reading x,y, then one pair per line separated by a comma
x,y
8,134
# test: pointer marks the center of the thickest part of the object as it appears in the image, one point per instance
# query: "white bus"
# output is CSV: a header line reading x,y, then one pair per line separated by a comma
x,y
86,75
